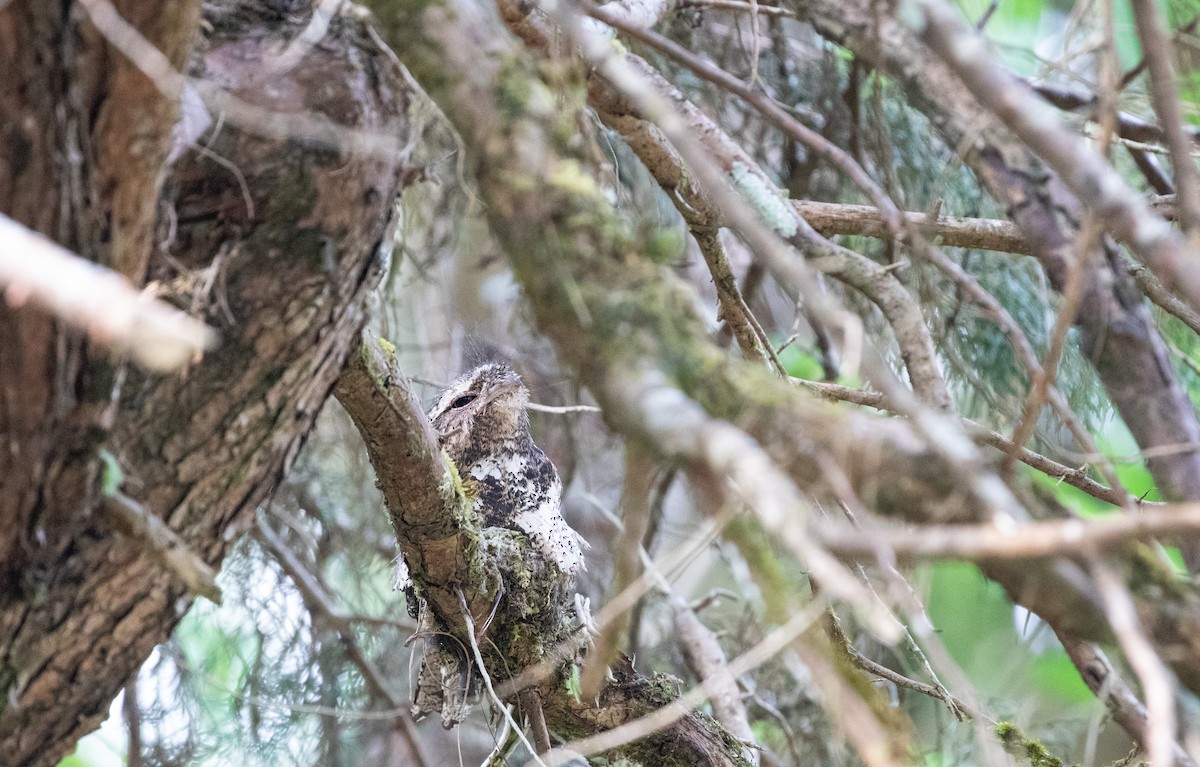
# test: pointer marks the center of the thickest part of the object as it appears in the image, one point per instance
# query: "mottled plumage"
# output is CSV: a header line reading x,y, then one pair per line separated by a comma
x,y
481,423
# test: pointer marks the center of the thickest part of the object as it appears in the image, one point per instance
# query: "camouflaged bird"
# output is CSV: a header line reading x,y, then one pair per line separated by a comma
x,y
482,425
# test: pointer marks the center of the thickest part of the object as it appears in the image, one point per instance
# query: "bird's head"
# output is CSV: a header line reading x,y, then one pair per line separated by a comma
x,y
483,407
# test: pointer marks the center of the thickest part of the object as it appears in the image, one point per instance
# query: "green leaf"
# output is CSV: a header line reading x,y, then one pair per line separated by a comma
x,y
112,476
574,688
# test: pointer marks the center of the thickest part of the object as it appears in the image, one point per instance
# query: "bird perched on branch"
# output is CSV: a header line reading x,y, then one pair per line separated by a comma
x,y
482,425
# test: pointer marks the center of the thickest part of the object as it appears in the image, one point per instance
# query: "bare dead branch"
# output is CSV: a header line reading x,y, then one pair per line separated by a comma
x,y
1157,52
1103,680
1158,684
680,429
163,545
36,270
1093,180
738,6
562,409
131,712
1030,540
982,233
704,656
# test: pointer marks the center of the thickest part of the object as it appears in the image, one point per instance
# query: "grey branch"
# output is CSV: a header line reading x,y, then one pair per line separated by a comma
x,y
1125,214
1014,541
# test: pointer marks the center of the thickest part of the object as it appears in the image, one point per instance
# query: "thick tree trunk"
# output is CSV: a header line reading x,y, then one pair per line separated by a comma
x,y
274,241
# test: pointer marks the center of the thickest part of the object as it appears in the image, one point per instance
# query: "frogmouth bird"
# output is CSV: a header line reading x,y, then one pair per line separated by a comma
x,y
482,425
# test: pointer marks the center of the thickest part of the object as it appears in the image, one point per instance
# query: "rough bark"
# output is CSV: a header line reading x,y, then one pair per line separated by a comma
x,y
83,140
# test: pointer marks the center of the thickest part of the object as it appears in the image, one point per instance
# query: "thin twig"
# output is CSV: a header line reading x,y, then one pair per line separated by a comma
x,y
1077,478
1157,681
1030,540
958,708
487,680
1157,50
562,409
163,545
737,5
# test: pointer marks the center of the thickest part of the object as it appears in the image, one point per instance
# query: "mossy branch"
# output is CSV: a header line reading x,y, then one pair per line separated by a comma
x,y
437,532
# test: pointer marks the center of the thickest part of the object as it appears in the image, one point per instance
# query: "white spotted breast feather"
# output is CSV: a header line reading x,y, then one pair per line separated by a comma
x,y
482,425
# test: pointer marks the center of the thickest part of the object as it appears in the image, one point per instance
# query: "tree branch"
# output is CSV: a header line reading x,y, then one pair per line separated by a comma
x,y
1121,701
1029,540
1097,184
1077,478
163,545
1157,51
89,297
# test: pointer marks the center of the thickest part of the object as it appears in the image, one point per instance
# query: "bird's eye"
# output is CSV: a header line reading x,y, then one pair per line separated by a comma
x,y
462,401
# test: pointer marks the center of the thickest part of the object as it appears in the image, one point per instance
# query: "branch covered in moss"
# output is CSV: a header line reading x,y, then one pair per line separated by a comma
x,y
436,530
